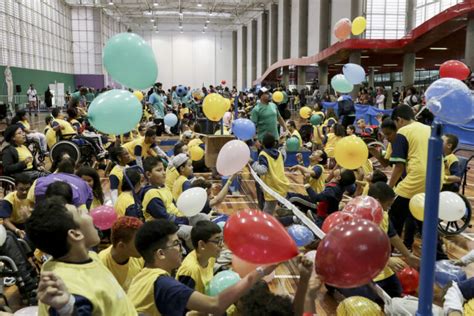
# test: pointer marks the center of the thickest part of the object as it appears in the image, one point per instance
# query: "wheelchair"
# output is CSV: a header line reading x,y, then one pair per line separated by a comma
x,y
35,149
78,149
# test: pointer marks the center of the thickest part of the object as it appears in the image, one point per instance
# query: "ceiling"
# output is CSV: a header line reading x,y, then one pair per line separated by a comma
x,y
169,15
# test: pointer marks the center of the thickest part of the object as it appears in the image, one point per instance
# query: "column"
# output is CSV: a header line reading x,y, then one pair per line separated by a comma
x,y
264,30
286,76
323,77
410,18
273,32
284,29
324,40
302,41
371,77
234,58
301,77
408,74
354,58
244,57
469,51
356,8
253,61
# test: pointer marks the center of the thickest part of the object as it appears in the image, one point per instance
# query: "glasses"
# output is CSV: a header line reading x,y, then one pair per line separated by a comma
x,y
176,244
218,242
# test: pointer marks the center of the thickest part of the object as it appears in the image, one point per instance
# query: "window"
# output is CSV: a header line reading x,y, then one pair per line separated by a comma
x,y
426,9
386,18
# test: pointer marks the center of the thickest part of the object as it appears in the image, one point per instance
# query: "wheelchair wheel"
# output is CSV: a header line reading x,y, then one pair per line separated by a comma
x,y
7,185
457,227
65,147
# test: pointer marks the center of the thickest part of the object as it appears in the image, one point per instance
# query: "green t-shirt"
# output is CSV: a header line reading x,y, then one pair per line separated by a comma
x,y
157,102
77,98
265,117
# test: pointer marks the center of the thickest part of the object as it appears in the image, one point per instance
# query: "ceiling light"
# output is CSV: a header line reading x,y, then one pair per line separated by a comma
x,y
111,3
152,20
438,48
155,4
419,58
199,4
208,21
437,65
364,57
205,26
157,31
390,65
420,69
180,27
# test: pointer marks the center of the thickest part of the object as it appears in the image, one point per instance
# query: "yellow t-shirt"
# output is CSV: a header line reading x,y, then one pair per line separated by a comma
x,y
194,142
331,144
469,307
448,161
388,151
141,291
50,136
93,281
368,167
386,272
178,187
124,200
318,137
317,184
165,196
275,177
23,154
65,127
297,135
123,273
146,152
171,175
201,276
117,171
26,124
21,209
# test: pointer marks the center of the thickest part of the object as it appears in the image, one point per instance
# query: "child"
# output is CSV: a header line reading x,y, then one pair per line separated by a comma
x,y
121,158
184,166
49,132
389,130
271,169
293,132
216,200
171,173
336,133
350,130
126,204
92,178
315,171
122,258
197,269
452,170
66,233
143,147
155,292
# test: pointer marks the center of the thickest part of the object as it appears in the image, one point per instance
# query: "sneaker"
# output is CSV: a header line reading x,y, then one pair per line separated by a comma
x,y
9,281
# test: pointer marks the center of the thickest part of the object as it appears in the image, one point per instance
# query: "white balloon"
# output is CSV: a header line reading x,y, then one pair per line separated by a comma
x,y
27,311
192,201
3,235
451,206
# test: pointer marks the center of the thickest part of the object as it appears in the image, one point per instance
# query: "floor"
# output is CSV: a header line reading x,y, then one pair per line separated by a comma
x,y
286,278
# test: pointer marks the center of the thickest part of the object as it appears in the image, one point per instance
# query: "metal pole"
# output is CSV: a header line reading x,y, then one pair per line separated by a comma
x,y
430,223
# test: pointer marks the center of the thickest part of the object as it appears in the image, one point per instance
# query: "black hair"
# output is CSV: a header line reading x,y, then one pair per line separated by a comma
x,y
60,189
116,152
134,176
453,140
339,130
18,116
152,236
389,124
379,176
150,132
10,132
178,148
201,183
22,178
48,119
71,112
203,230
97,186
55,112
291,123
66,165
381,191
48,227
268,141
347,178
403,111
324,158
151,162
351,127
260,301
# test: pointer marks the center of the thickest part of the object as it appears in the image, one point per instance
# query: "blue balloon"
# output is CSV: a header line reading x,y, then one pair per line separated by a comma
x,y
243,129
181,91
446,271
115,112
450,100
171,119
301,235
354,73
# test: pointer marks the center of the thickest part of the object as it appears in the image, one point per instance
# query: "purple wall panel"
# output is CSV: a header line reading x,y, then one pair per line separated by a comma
x,y
94,81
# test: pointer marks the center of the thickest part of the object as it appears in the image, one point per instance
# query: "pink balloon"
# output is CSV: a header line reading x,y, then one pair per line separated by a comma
x,y
342,29
104,216
233,157
365,207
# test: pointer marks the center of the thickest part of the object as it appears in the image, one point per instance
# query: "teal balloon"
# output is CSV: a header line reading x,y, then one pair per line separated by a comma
x,y
115,112
285,97
222,281
292,144
341,84
130,61
316,119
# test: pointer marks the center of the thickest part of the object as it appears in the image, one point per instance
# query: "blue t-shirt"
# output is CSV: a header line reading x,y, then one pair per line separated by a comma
x,y
171,296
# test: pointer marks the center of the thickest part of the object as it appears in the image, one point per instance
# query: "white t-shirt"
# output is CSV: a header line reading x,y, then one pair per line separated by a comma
x,y
31,94
379,101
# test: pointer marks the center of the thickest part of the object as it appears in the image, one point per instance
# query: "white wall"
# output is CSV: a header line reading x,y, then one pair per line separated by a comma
x,y
193,59
314,9
239,59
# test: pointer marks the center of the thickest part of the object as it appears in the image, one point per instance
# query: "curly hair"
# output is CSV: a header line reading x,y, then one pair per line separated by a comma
x,y
124,229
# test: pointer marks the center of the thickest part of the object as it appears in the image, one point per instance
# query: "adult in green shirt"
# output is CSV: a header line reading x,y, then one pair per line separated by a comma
x,y
266,117
78,98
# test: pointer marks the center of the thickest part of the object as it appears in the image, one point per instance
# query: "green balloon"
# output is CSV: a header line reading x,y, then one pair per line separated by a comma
x,y
115,112
285,97
292,144
341,84
130,60
222,281
316,119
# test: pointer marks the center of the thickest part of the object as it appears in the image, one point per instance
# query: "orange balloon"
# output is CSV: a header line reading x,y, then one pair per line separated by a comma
x,y
351,152
342,29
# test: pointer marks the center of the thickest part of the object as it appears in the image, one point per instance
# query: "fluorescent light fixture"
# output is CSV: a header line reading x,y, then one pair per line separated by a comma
x,y
419,58
437,65
390,65
152,20
338,64
180,27
199,4
157,31
208,21
438,48
420,69
111,3
155,3
221,15
363,57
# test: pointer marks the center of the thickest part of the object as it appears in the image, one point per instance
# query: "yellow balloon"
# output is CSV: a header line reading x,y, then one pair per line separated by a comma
x,y
358,25
351,152
138,94
278,96
305,112
417,206
196,153
214,106
358,305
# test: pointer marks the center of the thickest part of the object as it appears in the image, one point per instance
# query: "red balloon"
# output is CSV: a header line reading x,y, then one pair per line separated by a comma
x,y
365,207
335,219
409,278
257,237
352,254
223,82
454,69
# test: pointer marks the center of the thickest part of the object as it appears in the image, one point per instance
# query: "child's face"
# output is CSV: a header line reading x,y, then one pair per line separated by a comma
x,y
125,157
361,124
389,134
157,175
150,140
188,168
89,181
129,248
387,204
446,146
349,131
173,251
22,190
86,225
315,156
213,246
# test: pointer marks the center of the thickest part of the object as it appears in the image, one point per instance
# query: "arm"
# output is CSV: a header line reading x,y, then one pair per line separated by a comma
x,y
11,164
469,258
455,176
397,172
114,186
261,165
282,122
399,158
315,197
222,193
306,268
378,155
10,226
412,260
453,301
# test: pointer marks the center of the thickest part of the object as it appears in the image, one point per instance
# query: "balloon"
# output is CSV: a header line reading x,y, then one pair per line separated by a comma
x,y
451,206
196,153
115,112
352,254
341,84
27,311
292,144
445,271
354,73
358,25
243,267
365,207
221,220
409,278
3,235
342,29
192,201
103,216
351,152
223,82
335,219
232,157
285,97
138,94
181,91
278,96
450,100
222,281
243,129
358,305
257,237
170,119
305,112
417,206
301,235
316,119
214,106
454,69
130,60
